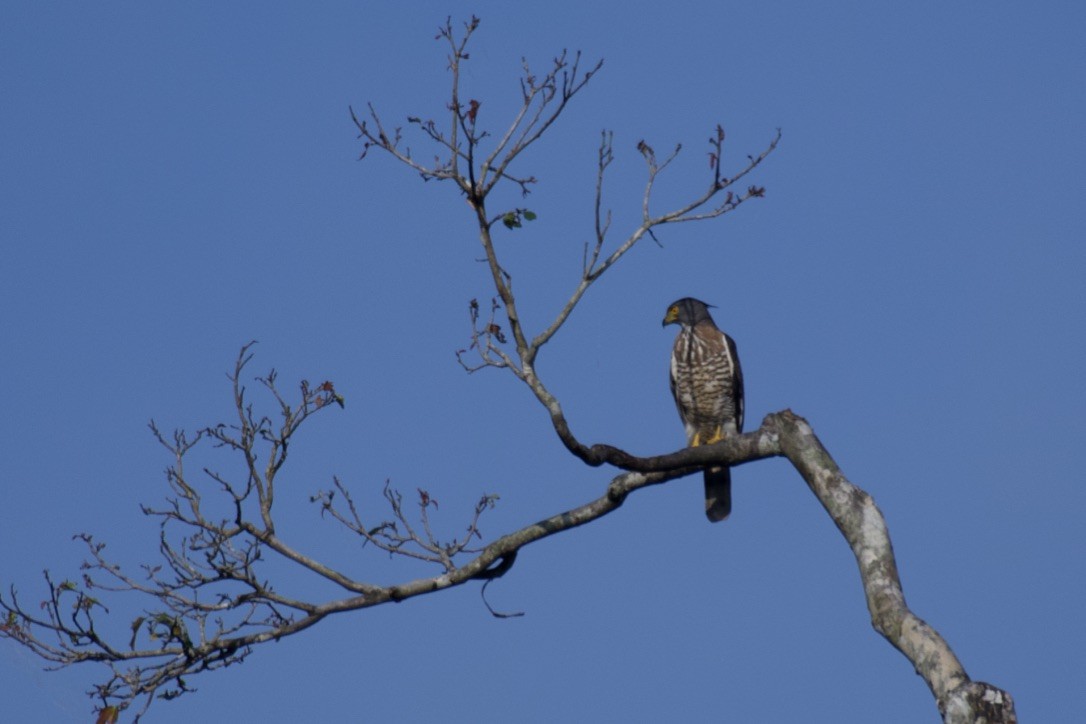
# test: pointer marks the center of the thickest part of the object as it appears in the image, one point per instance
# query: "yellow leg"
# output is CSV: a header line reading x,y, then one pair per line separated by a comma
x,y
715,436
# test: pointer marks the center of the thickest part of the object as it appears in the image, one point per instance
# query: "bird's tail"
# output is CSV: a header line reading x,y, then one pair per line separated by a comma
x,y
718,493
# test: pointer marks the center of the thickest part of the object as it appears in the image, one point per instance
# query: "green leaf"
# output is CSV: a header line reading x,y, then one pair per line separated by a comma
x,y
529,215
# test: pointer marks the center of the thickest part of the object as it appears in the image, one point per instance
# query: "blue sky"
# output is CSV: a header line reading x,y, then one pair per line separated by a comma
x,y
177,181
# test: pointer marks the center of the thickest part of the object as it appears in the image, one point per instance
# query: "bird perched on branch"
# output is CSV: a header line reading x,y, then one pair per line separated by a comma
x,y
707,384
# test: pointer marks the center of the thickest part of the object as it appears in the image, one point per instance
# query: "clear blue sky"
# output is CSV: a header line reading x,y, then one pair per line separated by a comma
x,y
177,181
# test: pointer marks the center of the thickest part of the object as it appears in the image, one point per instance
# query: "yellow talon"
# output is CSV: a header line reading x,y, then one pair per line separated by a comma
x,y
715,436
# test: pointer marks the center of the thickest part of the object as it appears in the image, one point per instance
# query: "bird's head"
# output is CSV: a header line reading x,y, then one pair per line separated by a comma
x,y
687,312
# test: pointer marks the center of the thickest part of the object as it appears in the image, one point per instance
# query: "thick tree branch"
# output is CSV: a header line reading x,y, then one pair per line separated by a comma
x,y
959,699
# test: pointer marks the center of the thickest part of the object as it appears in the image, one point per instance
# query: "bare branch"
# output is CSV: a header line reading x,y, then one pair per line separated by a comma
x,y
485,339
558,86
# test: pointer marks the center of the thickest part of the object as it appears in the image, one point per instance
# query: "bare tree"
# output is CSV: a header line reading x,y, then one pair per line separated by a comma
x,y
207,603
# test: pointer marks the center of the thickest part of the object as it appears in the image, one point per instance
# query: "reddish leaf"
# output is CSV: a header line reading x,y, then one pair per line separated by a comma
x,y
425,499
496,331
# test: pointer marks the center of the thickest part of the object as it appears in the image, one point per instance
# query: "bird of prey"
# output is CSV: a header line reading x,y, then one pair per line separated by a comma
x,y
707,384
